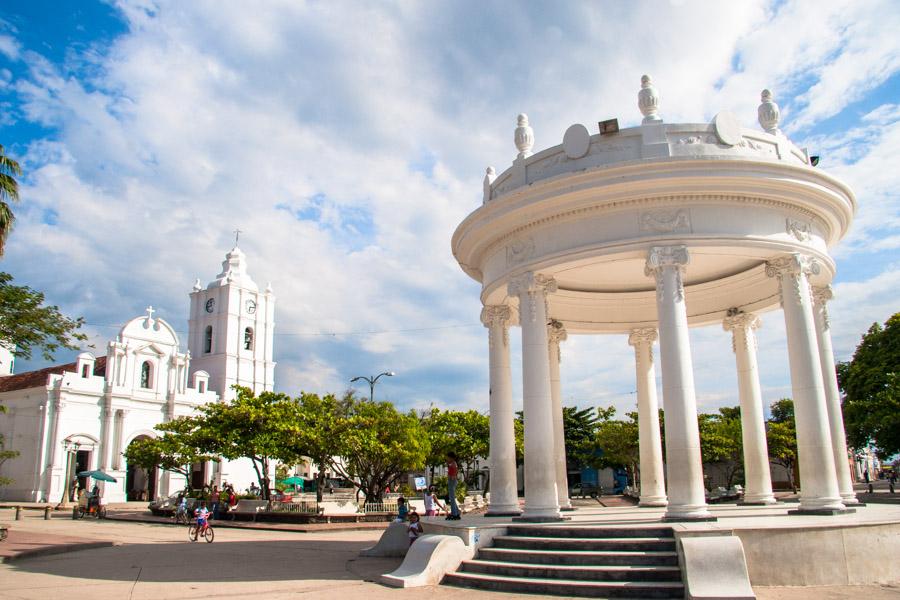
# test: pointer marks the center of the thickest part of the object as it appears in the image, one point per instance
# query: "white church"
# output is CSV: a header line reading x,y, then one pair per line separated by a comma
x,y
81,416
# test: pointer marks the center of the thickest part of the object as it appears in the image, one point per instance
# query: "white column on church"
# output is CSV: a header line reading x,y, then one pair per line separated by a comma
x,y
118,434
106,433
504,489
821,296
556,333
653,482
541,498
53,444
818,480
684,467
753,430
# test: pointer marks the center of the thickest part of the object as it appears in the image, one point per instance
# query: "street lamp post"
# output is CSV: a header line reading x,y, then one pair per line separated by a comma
x,y
372,381
69,448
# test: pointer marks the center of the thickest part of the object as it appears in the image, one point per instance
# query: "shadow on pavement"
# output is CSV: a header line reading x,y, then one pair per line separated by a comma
x,y
221,561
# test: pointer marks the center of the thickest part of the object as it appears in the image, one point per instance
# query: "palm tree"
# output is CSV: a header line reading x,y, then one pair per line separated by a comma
x,y
9,192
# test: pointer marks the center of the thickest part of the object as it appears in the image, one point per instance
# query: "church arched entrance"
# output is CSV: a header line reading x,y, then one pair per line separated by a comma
x,y
140,484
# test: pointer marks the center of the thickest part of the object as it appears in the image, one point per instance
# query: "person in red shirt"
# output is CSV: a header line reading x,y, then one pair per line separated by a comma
x,y
452,473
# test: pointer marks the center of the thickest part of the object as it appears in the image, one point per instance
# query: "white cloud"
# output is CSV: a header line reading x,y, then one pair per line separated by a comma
x,y
303,123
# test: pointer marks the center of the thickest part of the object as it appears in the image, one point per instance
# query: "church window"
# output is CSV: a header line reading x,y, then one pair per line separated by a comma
x,y
202,387
207,343
145,375
85,371
248,338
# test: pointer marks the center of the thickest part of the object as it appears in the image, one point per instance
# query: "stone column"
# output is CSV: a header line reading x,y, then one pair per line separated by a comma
x,y
653,481
684,467
106,433
556,333
504,490
818,481
821,296
541,498
753,428
118,439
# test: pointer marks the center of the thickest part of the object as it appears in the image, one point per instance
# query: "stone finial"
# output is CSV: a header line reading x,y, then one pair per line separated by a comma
x,y
648,101
489,176
524,137
768,113
197,286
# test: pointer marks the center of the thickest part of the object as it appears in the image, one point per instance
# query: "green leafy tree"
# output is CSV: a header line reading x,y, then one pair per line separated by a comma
x,y
322,430
579,428
9,192
380,445
781,437
27,324
870,382
616,442
173,451
721,445
263,429
466,433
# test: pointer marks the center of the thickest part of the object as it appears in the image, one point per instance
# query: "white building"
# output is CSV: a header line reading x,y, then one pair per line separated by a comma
x,y
82,416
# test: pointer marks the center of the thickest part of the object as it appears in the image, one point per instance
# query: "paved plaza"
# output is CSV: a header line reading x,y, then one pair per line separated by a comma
x,y
156,561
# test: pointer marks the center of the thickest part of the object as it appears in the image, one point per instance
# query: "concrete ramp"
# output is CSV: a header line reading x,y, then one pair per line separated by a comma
x,y
714,568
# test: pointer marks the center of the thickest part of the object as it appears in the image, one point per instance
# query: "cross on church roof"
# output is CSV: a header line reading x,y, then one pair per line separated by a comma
x,y
150,312
237,234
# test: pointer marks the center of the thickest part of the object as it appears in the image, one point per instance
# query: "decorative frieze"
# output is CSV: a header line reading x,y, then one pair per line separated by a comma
x,y
666,221
519,250
800,230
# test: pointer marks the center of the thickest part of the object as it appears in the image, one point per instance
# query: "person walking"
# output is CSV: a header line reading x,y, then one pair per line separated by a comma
x,y
452,474
214,502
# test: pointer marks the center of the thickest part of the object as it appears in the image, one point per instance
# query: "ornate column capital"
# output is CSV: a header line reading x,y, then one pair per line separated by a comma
x,y
644,335
822,294
660,257
496,314
737,319
530,283
792,265
556,332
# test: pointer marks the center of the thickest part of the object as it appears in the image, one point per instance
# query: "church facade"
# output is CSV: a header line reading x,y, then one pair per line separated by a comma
x,y
82,416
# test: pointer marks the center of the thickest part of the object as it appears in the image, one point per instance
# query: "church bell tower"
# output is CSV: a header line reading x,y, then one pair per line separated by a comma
x,y
230,330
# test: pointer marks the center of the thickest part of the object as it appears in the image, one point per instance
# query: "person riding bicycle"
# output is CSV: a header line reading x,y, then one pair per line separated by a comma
x,y
202,515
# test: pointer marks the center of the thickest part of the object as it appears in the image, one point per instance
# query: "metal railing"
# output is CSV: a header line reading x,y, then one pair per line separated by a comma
x,y
389,507
303,507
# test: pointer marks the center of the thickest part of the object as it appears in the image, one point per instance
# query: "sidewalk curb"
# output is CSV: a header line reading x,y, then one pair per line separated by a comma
x,y
257,526
58,549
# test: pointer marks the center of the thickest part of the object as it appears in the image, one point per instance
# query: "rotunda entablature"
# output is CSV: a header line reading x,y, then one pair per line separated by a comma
x,y
588,211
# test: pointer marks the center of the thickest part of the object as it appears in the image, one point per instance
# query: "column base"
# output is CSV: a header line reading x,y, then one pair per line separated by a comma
x,y
653,502
760,500
540,519
822,511
502,513
850,500
825,504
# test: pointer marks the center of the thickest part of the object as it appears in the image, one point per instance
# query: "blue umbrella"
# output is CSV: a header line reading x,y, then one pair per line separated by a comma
x,y
98,475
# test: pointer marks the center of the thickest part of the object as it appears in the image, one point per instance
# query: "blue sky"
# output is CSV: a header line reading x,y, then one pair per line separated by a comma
x,y
348,141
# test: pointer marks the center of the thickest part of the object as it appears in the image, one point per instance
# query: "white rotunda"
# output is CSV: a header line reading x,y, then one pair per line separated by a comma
x,y
646,232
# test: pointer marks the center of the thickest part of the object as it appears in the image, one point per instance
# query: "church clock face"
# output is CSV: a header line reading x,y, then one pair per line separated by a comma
x,y
251,307
210,305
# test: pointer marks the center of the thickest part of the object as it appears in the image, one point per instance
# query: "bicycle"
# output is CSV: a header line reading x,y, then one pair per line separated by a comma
x,y
181,516
195,531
